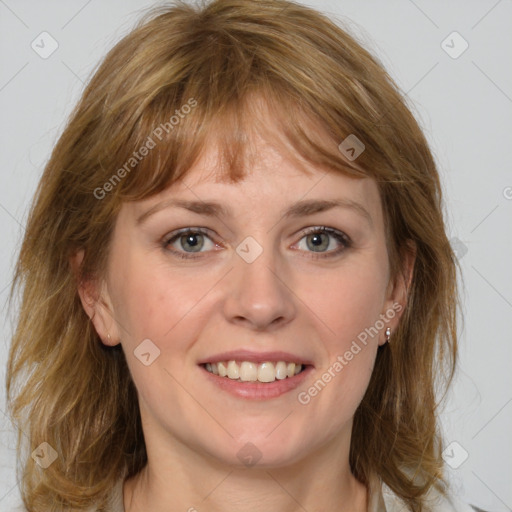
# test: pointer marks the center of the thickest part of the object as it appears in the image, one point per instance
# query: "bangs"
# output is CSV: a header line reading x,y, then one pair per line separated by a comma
x,y
176,132
191,83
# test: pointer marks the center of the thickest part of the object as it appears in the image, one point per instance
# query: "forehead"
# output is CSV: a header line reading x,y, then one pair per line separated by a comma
x,y
256,133
271,171
276,181
267,155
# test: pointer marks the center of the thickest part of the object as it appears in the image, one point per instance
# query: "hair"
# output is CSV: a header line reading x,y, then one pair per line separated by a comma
x,y
65,387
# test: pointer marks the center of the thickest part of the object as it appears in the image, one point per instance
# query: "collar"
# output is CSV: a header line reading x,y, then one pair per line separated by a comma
x,y
376,500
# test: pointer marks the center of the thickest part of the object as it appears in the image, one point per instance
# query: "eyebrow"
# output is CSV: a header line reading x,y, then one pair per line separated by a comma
x,y
299,209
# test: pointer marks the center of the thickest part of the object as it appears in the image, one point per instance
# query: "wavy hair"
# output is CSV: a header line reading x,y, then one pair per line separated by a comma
x,y
65,387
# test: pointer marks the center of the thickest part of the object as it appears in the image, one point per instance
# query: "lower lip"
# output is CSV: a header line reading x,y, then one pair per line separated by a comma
x,y
258,390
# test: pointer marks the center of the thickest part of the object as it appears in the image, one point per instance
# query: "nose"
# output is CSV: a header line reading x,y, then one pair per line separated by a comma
x,y
258,295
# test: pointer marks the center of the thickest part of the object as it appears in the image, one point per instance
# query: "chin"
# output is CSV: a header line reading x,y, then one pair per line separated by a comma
x,y
260,450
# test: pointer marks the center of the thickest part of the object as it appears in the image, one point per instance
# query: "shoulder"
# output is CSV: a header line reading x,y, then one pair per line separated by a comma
x,y
114,504
435,502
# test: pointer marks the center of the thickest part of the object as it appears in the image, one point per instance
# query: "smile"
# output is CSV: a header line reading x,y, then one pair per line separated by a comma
x,y
247,371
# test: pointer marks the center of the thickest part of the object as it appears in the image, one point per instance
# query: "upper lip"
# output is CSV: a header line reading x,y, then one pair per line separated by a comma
x,y
256,357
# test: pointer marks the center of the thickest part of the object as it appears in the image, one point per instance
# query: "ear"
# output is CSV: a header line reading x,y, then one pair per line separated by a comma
x,y
96,302
398,288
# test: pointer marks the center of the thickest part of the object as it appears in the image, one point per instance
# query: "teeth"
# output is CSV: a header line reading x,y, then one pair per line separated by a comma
x,y
246,371
223,371
266,372
233,370
281,370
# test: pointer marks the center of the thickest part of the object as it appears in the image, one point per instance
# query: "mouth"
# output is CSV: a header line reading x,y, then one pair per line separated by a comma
x,y
249,371
256,376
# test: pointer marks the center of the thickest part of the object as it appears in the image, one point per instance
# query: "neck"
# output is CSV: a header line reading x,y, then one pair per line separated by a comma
x,y
182,479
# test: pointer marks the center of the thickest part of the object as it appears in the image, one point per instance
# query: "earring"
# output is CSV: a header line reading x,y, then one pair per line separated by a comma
x,y
109,338
388,334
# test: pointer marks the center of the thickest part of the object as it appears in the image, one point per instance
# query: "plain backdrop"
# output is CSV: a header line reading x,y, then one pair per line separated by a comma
x,y
460,89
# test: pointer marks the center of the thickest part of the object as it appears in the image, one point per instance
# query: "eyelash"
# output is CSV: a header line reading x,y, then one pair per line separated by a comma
x,y
338,235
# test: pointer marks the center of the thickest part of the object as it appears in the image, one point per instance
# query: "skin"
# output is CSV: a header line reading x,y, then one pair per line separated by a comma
x,y
285,300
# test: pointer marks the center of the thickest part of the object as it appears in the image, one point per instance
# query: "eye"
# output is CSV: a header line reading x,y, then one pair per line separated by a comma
x,y
187,242
320,238
188,238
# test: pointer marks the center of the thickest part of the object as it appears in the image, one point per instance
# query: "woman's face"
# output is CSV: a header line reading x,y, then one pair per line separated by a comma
x,y
257,285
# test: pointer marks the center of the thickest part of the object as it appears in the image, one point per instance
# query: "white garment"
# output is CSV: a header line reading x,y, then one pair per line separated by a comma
x,y
381,499
388,501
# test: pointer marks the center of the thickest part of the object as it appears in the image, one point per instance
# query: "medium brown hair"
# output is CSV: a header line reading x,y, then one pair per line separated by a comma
x,y
67,388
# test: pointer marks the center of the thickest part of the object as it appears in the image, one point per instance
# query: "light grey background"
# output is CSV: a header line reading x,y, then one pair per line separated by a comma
x,y
465,107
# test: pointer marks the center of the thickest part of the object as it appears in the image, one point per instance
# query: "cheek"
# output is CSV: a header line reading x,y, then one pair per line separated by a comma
x,y
348,304
167,307
348,300
154,301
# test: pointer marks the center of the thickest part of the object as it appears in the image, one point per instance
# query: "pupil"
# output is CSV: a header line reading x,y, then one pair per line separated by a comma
x,y
316,242
191,241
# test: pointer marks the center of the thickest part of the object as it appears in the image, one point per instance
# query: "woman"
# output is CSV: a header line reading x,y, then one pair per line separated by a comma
x,y
238,292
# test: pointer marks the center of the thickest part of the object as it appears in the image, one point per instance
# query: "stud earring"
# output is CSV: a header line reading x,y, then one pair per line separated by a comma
x,y
109,338
388,334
